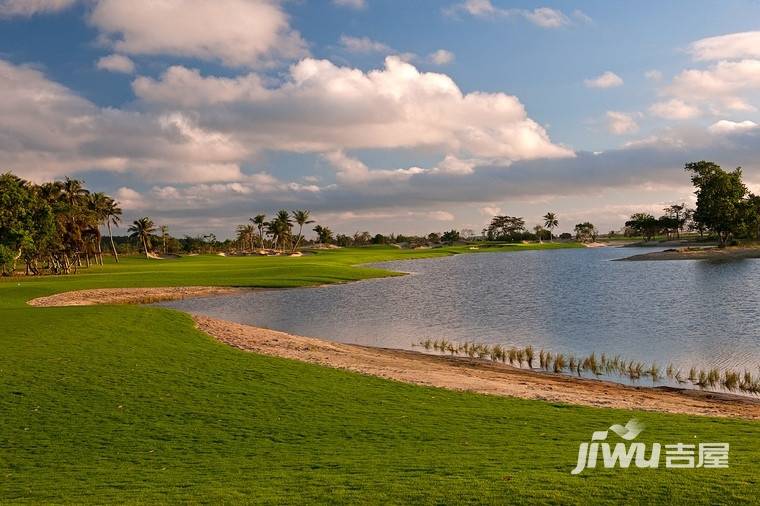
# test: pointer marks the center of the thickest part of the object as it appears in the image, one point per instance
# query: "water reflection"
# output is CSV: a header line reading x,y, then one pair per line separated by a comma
x,y
570,301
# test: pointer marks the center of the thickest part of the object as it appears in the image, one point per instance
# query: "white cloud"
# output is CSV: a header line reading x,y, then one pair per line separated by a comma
x,y
46,130
453,165
726,85
129,199
441,57
606,80
234,32
475,8
354,171
26,8
490,211
116,63
727,47
322,107
184,87
363,45
674,109
653,75
620,123
353,4
544,17
729,127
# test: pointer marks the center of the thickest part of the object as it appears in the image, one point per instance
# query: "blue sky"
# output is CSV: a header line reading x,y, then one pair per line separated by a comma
x,y
200,116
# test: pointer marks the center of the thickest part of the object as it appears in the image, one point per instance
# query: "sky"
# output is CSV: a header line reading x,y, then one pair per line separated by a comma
x,y
380,115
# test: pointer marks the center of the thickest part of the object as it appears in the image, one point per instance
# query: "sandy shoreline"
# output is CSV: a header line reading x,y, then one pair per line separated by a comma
x,y
128,295
729,253
455,373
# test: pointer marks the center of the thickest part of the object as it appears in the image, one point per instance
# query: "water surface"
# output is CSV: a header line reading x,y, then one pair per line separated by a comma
x,y
690,313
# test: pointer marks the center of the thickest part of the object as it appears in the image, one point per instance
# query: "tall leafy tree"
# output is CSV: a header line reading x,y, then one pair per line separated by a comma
x,y
720,198
586,232
643,224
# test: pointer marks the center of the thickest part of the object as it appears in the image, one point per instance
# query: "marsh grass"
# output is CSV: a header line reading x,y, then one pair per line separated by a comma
x,y
598,365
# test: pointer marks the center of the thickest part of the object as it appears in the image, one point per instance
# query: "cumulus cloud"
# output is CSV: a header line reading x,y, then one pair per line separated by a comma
x,y
606,80
353,4
441,57
321,107
129,199
674,109
620,123
243,33
729,127
724,85
116,63
544,17
183,87
727,47
26,8
353,171
48,131
363,45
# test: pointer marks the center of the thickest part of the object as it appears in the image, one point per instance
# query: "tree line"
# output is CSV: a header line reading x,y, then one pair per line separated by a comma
x,y
725,208
53,227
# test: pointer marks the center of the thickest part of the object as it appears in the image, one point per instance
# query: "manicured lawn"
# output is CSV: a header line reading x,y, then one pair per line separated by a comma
x,y
131,404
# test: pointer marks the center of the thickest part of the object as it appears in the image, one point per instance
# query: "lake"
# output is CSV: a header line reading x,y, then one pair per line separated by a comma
x,y
690,313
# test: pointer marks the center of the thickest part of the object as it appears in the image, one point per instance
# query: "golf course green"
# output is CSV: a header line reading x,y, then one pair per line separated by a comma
x,y
131,404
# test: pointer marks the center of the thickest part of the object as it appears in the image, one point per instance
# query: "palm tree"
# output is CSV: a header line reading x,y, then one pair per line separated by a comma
x,y
245,236
74,196
281,226
323,233
260,220
112,212
142,229
551,222
98,204
302,218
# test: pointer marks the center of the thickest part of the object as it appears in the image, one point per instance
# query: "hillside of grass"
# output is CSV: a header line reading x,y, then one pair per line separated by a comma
x,y
131,404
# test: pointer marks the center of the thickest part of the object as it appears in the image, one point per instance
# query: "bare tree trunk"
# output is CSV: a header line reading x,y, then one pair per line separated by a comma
x,y
298,240
113,246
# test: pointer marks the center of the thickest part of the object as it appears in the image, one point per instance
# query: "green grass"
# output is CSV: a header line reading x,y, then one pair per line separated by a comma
x,y
131,404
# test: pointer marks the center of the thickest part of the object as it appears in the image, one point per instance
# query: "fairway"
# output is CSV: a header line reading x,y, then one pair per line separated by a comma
x,y
131,404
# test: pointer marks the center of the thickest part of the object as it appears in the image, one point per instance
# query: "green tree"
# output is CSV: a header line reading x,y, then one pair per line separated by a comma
x,y
644,224
720,198
450,236
586,232
26,222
